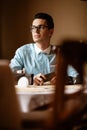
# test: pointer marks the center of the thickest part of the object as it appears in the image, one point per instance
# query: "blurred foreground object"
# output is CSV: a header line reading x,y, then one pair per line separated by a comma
x,y
9,107
75,53
68,110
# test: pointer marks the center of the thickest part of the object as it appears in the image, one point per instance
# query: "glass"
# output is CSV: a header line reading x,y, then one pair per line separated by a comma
x,y
39,27
17,76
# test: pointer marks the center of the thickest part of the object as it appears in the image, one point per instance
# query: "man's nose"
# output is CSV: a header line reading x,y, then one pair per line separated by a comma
x,y
36,29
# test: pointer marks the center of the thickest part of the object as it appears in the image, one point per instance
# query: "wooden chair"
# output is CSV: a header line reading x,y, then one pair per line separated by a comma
x,y
9,107
68,111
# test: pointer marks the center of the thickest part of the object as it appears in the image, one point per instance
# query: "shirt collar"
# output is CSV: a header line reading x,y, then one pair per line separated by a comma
x,y
38,50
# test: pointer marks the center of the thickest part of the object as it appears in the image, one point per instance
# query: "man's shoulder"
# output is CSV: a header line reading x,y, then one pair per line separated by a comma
x,y
26,46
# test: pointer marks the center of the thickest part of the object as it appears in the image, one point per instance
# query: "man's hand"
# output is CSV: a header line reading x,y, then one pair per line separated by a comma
x,y
53,81
39,79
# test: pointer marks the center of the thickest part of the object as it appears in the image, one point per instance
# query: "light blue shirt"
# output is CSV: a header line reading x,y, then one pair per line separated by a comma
x,y
71,71
36,61
33,62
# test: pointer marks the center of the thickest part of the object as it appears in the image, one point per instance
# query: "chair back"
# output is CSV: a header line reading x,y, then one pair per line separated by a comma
x,y
67,109
9,108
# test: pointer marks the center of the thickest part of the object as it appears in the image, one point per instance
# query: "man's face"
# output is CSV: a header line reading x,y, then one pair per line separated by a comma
x,y
40,31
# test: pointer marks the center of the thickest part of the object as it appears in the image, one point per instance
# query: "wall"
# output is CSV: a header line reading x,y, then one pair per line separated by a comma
x,y
70,18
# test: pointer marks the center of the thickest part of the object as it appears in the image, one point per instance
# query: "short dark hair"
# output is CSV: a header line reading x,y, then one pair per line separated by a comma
x,y
47,17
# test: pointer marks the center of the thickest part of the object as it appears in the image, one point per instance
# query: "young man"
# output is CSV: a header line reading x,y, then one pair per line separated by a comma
x,y
38,58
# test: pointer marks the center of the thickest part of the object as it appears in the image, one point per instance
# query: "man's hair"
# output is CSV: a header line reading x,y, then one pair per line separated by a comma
x,y
46,17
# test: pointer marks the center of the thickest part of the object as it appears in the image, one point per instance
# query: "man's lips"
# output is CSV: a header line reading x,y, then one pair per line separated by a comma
x,y
36,36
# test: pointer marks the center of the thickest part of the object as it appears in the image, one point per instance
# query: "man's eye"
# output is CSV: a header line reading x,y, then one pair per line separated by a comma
x,y
41,27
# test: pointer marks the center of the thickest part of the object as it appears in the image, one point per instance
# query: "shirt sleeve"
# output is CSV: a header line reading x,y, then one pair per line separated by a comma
x,y
72,71
16,62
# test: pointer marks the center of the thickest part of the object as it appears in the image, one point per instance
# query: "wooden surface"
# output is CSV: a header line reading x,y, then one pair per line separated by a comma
x,y
69,89
32,96
33,89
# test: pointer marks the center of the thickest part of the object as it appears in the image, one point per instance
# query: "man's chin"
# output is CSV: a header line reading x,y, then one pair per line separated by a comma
x,y
36,40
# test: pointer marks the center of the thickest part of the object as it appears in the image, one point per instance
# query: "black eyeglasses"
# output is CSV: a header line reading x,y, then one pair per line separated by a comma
x,y
39,27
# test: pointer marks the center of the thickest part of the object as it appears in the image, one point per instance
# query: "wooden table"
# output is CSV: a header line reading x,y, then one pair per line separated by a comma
x,y
33,97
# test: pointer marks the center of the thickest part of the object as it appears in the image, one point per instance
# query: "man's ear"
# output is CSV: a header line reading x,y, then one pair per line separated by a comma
x,y
51,32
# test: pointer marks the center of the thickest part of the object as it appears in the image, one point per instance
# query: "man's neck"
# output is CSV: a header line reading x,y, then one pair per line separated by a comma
x,y
43,46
